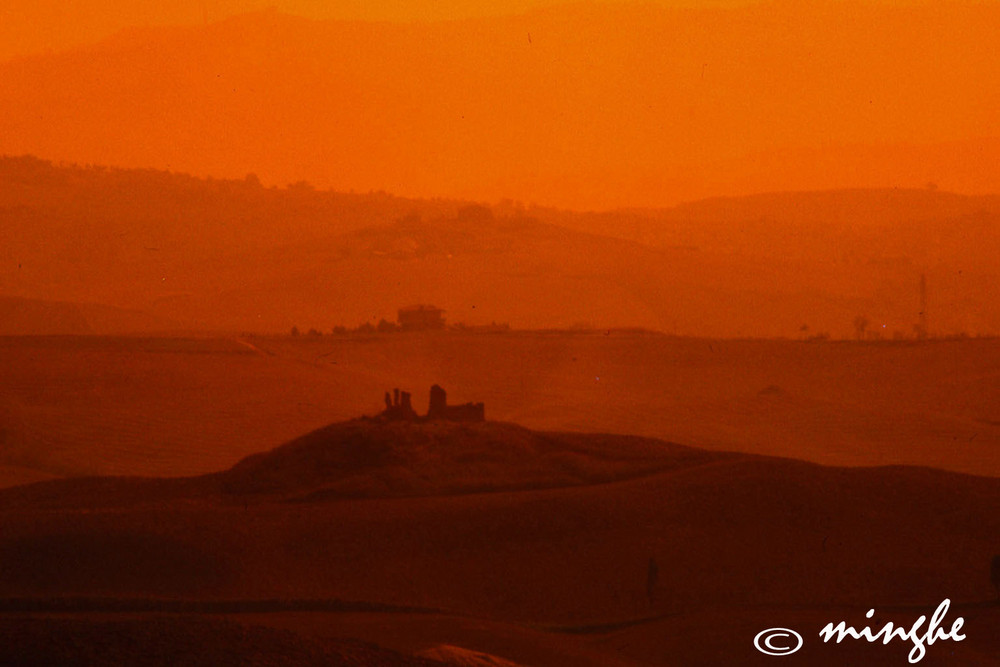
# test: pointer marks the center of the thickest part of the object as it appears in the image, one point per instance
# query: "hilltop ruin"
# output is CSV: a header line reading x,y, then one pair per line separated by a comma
x,y
399,407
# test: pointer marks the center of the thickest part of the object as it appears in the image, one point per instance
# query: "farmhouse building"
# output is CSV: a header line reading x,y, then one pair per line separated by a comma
x,y
420,318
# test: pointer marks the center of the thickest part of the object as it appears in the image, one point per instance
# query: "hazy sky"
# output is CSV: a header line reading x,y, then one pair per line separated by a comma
x,y
601,109
30,26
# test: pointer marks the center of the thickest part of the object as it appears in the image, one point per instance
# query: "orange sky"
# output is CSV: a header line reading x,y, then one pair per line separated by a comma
x,y
580,107
584,107
31,26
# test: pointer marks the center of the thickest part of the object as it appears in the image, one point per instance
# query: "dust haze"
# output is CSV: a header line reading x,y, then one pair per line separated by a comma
x,y
534,334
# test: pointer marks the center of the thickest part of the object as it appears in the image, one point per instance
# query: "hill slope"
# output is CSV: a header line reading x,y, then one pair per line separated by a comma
x,y
236,256
34,317
368,458
734,537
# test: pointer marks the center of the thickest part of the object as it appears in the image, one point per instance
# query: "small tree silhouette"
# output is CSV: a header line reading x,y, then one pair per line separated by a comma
x,y
995,575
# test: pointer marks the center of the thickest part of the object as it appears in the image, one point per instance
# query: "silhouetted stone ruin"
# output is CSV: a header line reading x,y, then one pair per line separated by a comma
x,y
439,403
467,412
399,407
420,318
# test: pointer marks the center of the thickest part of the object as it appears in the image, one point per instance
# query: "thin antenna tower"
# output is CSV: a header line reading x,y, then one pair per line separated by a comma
x,y
922,330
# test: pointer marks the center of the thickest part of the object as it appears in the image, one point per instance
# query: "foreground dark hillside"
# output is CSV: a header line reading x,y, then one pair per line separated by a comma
x,y
371,458
735,539
174,640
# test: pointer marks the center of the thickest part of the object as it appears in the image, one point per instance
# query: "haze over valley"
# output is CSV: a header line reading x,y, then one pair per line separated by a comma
x,y
499,334
169,253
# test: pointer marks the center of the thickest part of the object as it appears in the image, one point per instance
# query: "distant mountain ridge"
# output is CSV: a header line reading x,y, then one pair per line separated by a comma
x,y
580,106
233,255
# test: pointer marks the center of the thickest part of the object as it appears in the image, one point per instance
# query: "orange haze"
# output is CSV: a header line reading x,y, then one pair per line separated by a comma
x,y
580,106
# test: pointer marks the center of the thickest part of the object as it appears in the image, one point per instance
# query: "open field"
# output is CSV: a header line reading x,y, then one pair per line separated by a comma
x,y
376,543
89,405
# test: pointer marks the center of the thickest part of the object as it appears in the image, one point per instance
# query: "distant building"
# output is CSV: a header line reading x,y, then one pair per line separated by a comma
x,y
420,318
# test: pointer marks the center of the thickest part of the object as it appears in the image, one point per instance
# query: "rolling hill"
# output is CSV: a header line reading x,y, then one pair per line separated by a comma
x,y
739,541
235,256
35,317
